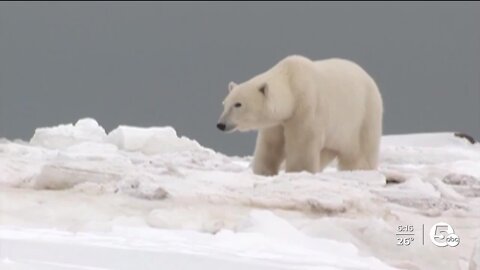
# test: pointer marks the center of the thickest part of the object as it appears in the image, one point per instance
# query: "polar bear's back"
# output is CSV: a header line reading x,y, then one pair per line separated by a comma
x,y
347,79
343,68
353,99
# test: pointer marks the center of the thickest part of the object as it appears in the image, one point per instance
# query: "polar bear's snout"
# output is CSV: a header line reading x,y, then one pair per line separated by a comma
x,y
225,123
225,127
221,126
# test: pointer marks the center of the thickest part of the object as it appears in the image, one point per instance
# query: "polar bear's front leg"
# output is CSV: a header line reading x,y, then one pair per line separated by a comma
x,y
269,151
303,147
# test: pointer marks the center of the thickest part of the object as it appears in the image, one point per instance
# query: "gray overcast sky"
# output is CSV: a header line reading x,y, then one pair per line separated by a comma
x,y
155,64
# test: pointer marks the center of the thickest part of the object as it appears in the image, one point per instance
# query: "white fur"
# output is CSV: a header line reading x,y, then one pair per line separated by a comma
x,y
311,113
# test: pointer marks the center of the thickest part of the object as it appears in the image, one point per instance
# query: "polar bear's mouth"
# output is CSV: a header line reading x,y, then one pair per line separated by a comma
x,y
231,130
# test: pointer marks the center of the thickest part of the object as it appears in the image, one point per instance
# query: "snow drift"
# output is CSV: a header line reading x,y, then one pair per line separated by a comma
x,y
167,200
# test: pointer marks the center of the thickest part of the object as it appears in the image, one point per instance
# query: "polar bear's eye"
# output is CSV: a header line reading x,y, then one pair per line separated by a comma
x,y
238,105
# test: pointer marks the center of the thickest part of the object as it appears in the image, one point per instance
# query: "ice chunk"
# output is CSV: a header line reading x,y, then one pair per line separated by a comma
x,y
150,141
15,173
64,175
59,137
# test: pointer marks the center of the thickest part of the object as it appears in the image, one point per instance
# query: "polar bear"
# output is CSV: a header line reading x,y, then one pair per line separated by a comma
x,y
308,113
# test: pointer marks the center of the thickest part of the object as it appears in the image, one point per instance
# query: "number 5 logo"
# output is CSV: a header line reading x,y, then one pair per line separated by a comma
x,y
442,234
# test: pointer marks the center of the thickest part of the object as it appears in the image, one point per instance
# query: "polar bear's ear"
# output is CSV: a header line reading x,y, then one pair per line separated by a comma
x,y
263,89
231,85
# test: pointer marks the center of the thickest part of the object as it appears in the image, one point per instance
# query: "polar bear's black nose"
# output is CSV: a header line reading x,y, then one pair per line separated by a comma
x,y
221,126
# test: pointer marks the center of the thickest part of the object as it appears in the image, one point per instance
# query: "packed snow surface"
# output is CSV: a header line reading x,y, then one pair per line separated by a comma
x,y
75,197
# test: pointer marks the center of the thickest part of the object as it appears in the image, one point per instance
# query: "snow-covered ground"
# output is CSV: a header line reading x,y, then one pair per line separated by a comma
x,y
75,197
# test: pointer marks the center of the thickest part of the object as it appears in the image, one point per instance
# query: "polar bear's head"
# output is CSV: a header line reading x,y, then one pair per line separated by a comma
x,y
261,102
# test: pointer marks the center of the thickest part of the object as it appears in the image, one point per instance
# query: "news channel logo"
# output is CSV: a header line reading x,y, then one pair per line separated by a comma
x,y
443,235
